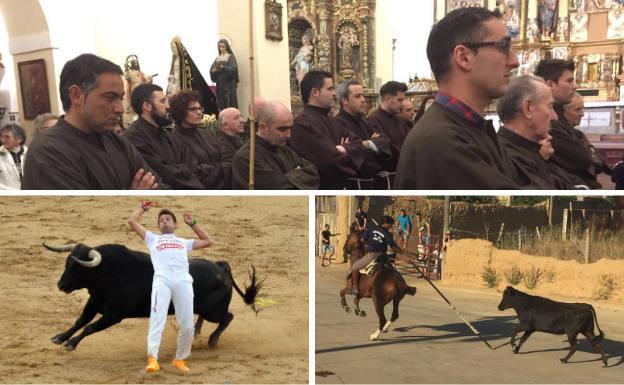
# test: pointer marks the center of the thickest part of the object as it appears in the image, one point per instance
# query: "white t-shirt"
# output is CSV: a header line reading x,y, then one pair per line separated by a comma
x,y
168,252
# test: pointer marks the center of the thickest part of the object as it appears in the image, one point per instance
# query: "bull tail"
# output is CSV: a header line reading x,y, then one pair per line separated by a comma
x,y
600,335
251,291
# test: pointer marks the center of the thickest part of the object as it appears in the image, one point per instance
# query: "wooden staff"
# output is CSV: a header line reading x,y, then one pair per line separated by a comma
x,y
252,118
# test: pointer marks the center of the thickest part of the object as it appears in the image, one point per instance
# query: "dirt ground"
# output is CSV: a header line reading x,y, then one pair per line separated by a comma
x,y
270,233
466,259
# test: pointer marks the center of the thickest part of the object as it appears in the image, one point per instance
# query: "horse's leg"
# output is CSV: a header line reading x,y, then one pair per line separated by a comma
x,y
379,308
359,312
395,314
343,301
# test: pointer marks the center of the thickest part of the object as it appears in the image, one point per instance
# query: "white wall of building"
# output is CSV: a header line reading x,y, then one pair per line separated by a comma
x,y
412,21
8,93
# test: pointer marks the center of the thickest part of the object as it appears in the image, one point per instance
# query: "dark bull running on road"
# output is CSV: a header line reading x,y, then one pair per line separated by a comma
x,y
119,281
548,316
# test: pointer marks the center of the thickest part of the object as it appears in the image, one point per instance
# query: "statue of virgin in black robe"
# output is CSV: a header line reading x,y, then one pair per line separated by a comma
x,y
181,66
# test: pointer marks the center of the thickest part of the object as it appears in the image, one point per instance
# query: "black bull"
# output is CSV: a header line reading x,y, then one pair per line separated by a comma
x,y
538,314
119,282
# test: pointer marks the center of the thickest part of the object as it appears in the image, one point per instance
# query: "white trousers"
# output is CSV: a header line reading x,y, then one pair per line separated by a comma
x,y
163,292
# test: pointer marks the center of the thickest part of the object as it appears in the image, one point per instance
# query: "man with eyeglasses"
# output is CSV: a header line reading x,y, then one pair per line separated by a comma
x,y
163,151
82,152
453,145
276,166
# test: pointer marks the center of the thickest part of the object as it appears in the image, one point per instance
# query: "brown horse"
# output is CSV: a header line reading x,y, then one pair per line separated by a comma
x,y
384,285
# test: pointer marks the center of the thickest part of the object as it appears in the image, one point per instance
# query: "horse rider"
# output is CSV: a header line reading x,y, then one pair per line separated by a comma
x,y
377,239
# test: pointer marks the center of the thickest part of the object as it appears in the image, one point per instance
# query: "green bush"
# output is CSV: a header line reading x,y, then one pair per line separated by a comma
x,y
514,275
606,287
532,277
489,276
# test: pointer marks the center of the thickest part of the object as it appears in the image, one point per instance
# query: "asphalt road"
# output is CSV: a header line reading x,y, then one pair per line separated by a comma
x,y
430,344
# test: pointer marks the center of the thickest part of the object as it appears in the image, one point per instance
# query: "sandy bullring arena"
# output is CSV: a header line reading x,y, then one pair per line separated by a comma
x,y
270,233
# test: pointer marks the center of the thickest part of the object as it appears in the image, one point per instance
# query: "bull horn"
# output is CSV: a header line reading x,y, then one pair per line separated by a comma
x,y
60,249
95,256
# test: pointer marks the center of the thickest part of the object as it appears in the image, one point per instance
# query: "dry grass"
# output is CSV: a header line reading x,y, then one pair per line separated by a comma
x,y
603,244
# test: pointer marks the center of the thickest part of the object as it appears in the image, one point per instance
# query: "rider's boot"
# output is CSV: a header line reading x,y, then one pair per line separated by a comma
x,y
355,283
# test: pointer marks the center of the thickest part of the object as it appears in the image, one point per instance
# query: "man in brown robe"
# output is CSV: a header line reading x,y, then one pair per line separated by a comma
x,y
572,152
452,146
164,152
386,119
276,166
526,111
321,139
81,151
376,144
230,133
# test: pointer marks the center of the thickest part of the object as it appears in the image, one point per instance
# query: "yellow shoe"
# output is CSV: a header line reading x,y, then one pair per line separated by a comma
x,y
152,365
180,365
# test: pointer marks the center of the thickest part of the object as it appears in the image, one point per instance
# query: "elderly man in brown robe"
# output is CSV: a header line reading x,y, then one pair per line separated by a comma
x,y
526,111
164,152
387,119
276,166
452,146
321,138
82,152
572,150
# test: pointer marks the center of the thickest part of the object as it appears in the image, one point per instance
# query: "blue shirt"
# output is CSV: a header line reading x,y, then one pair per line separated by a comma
x,y
404,221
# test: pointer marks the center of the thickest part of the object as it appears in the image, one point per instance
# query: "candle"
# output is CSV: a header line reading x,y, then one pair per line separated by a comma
x,y
532,9
563,8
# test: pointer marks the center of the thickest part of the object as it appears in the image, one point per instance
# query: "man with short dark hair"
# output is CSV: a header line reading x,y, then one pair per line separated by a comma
x,y
163,151
526,111
386,119
452,146
571,150
320,138
276,166
376,144
82,152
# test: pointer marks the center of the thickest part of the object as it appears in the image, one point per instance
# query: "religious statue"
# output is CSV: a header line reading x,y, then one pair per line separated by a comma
x,y
532,32
134,78
578,24
562,29
2,69
347,43
548,17
185,76
303,59
173,84
511,16
616,23
224,72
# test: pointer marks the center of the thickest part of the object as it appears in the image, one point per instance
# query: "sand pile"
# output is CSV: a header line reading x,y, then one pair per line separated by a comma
x,y
466,260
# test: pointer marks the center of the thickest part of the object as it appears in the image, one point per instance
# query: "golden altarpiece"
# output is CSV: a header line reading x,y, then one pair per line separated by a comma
x,y
335,36
590,32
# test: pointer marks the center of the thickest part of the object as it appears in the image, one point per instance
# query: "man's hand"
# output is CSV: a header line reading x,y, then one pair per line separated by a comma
x,y
143,181
188,219
146,205
341,149
375,135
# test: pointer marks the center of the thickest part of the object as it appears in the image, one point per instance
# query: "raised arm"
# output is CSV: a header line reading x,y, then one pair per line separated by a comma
x,y
135,217
204,240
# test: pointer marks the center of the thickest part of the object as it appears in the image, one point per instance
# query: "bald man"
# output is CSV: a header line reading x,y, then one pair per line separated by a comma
x,y
230,134
276,166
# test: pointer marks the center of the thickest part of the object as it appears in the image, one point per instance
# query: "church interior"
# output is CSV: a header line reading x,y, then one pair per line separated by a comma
x,y
274,43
